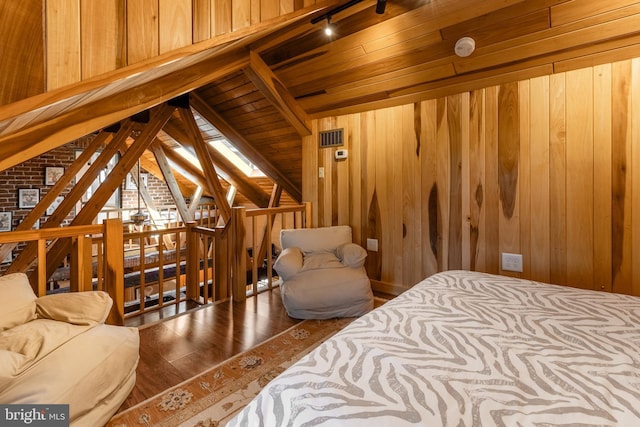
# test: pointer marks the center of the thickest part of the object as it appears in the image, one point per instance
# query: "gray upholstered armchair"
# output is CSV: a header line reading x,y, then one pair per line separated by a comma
x,y
322,274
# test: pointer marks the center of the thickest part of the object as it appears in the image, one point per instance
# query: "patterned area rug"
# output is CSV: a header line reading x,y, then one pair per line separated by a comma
x,y
213,397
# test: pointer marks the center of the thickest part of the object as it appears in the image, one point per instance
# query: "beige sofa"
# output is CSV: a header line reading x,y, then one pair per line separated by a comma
x,y
322,274
56,349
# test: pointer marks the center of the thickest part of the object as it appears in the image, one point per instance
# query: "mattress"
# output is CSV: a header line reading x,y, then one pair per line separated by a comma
x,y
469,349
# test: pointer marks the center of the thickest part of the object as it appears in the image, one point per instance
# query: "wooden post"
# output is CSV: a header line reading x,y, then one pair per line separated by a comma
x,y
42,268
114,268
307,215
193,273
239,269
221,263
81,271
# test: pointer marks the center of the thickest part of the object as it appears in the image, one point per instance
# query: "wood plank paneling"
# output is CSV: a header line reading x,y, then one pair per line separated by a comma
x,y
103,36
477,229
492,188
524,176
62,43
201,20
508,169
142,30
176,24
539,169
547,167
621,177
557,180
428,164
579,175
240,14
602,95
635,181
22,66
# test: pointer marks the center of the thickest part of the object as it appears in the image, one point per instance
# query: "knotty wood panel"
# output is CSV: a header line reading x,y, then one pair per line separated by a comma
x,y
621,177
21,50
508,168
547,167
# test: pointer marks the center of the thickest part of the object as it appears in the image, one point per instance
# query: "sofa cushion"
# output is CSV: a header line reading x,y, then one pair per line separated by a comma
x,y
17,300
78,308
323,239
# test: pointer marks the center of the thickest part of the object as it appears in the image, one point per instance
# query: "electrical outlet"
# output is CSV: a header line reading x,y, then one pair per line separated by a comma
x,y
372,245
320,172
512,262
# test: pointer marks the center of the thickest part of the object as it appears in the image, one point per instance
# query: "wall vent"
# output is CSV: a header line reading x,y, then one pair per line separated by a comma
x,y
331,138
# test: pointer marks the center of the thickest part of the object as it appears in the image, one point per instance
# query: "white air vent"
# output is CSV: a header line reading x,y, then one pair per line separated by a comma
x,y
331,138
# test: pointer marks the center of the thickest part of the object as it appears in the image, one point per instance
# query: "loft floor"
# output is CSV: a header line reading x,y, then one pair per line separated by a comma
x,y
179,342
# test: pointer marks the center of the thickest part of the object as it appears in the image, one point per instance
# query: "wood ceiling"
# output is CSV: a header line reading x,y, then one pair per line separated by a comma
x,y
262,87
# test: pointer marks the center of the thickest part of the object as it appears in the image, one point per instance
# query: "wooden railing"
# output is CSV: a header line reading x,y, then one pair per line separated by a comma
x,y
151,269
253,232
109,275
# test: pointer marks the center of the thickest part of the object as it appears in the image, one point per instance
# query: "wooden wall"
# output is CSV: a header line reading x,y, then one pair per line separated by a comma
x,y
49,44
548,168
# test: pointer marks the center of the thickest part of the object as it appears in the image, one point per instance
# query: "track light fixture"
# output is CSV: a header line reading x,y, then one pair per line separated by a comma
x,y
328,30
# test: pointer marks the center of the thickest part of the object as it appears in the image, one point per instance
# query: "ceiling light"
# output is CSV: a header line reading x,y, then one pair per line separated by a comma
x,y
465,47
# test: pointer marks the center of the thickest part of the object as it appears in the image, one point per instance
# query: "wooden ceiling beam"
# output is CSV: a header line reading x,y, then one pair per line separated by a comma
x,y
273,89
209,114
170,180
86,114
184,167
114,180
35,125
209,169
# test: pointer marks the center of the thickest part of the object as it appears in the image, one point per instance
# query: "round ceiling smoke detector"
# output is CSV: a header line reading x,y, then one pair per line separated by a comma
x,y
465,47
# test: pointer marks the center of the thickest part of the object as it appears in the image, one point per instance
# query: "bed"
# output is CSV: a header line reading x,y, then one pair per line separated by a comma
x,y
469,349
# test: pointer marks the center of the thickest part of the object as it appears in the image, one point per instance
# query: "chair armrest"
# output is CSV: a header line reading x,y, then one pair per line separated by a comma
x,y
351,254
288,263
78,308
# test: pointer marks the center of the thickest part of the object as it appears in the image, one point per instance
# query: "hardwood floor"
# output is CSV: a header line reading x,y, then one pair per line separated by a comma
x,y
175,349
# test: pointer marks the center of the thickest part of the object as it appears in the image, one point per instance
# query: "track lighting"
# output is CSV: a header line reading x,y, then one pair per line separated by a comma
x,y
328,30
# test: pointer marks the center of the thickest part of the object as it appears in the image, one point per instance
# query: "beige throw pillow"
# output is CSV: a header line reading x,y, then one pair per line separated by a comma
x,y
78,308
17,301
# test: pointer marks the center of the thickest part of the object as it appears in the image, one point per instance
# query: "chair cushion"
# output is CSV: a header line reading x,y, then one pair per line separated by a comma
x,y
323,239
17,301
352,255
289,262
321,260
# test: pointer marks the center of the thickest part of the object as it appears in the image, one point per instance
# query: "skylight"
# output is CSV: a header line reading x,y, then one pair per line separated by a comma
x,y
224,147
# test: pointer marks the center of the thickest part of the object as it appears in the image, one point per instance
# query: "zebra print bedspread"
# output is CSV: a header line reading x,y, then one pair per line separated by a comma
x,y
469,349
